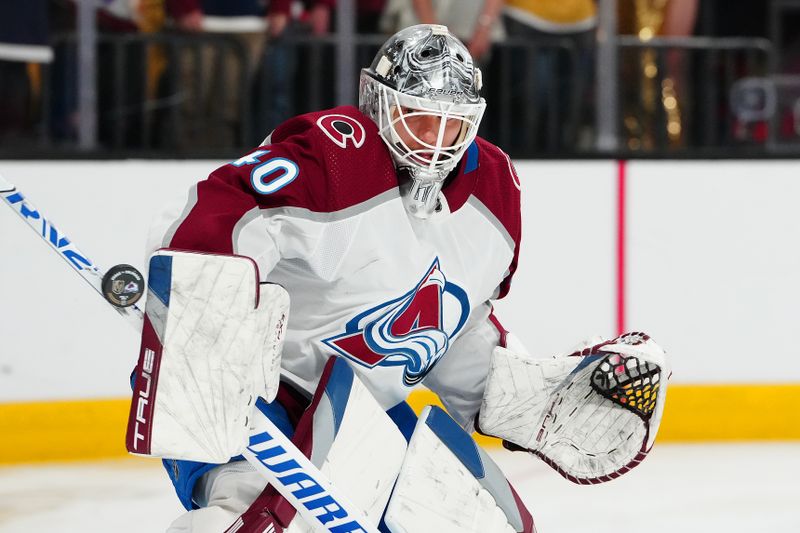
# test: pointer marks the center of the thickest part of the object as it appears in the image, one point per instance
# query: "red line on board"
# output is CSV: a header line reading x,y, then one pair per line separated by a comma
x,y
621,175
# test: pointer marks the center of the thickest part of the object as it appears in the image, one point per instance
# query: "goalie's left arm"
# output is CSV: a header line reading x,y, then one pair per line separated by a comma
x,y
592,415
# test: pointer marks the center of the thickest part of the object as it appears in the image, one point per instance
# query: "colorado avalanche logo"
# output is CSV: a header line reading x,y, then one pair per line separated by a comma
x,y
414,330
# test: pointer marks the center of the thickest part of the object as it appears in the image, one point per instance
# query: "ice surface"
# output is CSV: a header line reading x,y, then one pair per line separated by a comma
x,y
687,488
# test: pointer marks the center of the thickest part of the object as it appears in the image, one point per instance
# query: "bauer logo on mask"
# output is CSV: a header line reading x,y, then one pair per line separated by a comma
x,y
414,330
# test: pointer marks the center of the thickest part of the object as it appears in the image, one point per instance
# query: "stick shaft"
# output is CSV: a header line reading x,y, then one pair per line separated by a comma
x,y
270,451
63,246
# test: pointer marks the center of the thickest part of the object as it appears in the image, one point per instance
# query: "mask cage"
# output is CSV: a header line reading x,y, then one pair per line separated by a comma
x,y
432,159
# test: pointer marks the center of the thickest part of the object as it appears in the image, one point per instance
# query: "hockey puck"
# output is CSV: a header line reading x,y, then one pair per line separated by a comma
x,y
123,285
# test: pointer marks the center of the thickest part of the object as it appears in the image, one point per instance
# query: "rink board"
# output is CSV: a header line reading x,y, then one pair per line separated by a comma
x,y
700,254
90,429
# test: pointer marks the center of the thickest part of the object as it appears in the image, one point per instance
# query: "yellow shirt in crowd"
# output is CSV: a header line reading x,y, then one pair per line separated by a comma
x,y
554,16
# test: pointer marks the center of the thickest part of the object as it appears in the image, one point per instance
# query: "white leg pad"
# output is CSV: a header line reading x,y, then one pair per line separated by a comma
x,y
447,484
356,447
366,453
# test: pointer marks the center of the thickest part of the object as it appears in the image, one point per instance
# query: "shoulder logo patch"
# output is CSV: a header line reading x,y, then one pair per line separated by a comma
x,y
342,130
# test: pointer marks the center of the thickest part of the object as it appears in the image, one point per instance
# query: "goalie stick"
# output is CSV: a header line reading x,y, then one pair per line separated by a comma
x,y
63,246
267,448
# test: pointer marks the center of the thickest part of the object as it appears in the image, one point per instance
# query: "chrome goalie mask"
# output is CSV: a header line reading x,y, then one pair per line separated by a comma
x,y
422,91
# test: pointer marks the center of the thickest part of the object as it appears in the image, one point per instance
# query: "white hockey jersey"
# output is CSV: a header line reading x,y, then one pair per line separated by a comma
x,y
404,300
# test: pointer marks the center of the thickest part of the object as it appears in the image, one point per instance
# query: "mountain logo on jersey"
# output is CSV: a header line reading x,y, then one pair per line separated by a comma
x,y
342,129
414,330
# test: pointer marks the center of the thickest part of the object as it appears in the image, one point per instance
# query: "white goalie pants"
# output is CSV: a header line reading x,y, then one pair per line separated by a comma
x,y
223,493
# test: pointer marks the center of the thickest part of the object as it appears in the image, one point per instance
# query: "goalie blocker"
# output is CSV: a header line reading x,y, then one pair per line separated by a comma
x,y
211,345
592,415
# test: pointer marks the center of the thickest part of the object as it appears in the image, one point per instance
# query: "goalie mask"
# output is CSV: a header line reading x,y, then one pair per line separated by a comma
x,y
422,92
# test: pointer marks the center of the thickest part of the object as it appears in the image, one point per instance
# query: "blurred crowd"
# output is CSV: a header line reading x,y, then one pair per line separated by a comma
x,y
189,75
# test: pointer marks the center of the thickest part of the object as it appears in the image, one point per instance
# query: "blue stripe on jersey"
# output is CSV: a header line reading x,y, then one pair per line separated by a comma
x,y
472,158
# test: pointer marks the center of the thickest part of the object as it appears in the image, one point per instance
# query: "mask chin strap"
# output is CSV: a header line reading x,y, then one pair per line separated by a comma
x,y
420,192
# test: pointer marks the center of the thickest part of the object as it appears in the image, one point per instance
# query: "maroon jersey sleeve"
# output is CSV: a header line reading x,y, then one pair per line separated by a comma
x,y
321,162
499,189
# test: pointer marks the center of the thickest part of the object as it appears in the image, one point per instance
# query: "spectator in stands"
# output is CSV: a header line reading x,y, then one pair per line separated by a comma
x,y
212,111
239,19
121,103
122,116
281,85
558,36
307,67
23,47
320,20
186,15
